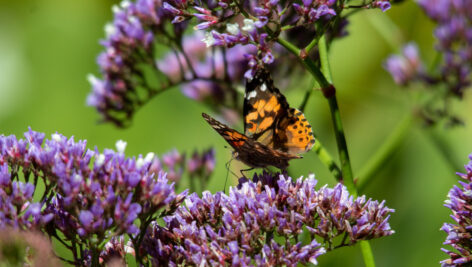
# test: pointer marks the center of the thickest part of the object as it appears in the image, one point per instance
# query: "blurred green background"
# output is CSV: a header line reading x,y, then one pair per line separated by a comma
x,y
47,47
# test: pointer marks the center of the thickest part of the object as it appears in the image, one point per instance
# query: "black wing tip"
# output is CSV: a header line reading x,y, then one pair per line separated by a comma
x,y
206,116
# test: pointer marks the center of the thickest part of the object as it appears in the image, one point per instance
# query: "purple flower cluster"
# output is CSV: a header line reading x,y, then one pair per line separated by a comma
x,y
458,233
257,22
201,165
89,196
130,40
17,208
454,40
259,225
451,72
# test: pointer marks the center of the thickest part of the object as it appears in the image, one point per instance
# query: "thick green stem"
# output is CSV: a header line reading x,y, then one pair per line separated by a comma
x,y
342,145
337,122
346,169
384,153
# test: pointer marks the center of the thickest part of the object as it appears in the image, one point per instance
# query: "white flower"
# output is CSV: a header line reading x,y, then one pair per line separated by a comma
x,y
149,157
125,4
208,40
120,146
248,25
56,137
110,29
139,162
232,28
100,160
115,9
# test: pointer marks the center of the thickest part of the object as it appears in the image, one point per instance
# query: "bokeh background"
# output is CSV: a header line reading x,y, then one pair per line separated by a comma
x,y
47,48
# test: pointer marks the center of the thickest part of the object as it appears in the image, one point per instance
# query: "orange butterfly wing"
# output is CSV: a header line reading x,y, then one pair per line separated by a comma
x,y
293,133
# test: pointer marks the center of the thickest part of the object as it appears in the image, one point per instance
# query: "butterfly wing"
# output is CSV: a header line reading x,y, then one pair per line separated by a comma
x,y
264,105
293,133
233,137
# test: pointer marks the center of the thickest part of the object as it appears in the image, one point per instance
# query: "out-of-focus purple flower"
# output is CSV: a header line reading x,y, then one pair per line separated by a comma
x,y
458,233
451,71
258,224
175,163
206,75
406,67
26,248
384,5
454,40
201,164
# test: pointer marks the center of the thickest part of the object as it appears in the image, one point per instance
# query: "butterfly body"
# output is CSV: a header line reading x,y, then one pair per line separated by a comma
x,y
274,133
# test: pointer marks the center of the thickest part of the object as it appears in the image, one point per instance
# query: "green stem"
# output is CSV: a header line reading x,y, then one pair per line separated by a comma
x,y
346,169
384,153
342,145
337,122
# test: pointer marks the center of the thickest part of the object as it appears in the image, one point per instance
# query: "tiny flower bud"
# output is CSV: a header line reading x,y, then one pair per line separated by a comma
x,y
232,28
100,160
120,146
56,137
208,40
248,25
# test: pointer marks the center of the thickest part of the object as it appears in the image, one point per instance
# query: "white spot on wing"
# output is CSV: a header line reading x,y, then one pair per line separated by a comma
x,y
263,87
251,94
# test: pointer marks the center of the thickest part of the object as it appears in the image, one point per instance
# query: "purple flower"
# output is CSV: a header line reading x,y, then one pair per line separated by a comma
x,y
90,194
202,164
17,208
406,67
258,224
458,233
130,39
384,5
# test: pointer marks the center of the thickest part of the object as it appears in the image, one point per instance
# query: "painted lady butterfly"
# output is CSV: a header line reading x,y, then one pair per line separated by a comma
x,y
274,132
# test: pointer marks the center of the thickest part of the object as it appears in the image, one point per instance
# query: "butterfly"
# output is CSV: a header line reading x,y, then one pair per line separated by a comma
x,y
274,133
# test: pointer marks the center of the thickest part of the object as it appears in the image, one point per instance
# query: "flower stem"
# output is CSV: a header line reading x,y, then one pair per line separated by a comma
x,y
337,122
384,152
342,145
